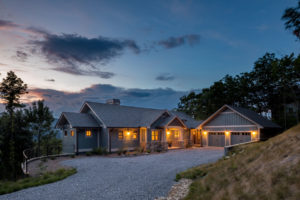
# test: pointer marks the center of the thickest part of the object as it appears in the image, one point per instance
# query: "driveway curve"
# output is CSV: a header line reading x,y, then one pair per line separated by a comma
x,y
141,177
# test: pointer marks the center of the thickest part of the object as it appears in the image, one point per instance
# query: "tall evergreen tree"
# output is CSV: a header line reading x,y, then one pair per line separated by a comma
x,y
11,89
292,18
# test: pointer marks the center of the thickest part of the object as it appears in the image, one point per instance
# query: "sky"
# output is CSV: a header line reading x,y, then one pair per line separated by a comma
x,y
147,53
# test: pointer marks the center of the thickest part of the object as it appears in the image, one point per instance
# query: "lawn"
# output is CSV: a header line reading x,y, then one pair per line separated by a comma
x,y
48,177
264,170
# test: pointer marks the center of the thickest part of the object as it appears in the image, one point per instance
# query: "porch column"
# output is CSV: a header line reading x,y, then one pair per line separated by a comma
x,y
164,133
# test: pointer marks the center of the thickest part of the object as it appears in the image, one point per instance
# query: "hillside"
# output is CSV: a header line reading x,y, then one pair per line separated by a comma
x,y
264,170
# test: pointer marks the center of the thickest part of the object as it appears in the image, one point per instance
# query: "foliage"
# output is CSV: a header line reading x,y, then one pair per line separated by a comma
x,y
292,18
99,151
20,128
263,170
50,177
22,140
273,84
40,124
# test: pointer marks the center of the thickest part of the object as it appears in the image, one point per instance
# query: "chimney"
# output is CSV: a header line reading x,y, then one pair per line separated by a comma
x,y
113,101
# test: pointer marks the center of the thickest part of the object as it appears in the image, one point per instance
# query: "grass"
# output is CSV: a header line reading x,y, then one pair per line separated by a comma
x,y
264,170
49,177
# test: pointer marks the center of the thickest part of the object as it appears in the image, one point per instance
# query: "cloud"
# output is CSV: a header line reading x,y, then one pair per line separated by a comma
x,y
173,42
78,55
165,77
59,101
21,56
50,80
7,24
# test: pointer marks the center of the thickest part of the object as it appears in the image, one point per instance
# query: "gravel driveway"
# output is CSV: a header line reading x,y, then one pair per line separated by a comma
x,y
141,177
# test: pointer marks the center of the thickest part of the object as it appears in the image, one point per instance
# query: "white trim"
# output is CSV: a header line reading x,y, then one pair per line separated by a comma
x,y
222,109
86,103
175,117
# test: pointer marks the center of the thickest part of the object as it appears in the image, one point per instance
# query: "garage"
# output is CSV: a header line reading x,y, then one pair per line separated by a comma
x,y
216,139
240,137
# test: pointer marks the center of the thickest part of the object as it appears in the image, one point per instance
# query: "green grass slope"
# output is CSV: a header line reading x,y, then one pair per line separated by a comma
x,y
264,170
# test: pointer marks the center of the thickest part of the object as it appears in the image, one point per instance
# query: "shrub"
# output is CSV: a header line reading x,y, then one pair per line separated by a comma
x,y
88,153
97,151
148,151
120,151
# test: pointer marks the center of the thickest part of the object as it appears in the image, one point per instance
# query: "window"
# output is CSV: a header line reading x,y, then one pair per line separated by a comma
x,y
134,136
120,135
176,134
72,133
155,135
66,133
88,133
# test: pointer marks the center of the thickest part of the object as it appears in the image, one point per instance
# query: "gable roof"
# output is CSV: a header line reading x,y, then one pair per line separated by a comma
x,y
247,114
78,120
187,120
125,116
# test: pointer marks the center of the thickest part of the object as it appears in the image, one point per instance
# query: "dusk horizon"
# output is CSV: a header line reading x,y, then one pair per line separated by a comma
x,y
146,54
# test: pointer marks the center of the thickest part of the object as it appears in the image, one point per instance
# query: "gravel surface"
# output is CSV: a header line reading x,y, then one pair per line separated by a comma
x,y
141,177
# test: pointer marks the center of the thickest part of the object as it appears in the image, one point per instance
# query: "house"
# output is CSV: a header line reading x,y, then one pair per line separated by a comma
x,y
232,125
113,126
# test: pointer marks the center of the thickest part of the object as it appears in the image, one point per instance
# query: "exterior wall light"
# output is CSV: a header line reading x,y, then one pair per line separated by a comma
x,y
128,133
204,132
227,132
168,132
253,132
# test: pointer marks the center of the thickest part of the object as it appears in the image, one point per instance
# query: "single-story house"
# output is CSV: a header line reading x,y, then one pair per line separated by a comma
x,y
113,126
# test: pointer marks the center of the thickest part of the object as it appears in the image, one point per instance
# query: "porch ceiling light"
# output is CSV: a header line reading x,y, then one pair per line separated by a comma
x,y
168,132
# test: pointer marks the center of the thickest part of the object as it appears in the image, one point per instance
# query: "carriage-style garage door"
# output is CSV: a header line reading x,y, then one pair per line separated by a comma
x,y
240,137
216,139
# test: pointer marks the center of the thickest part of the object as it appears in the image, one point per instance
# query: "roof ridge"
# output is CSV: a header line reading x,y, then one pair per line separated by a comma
x,y
127,106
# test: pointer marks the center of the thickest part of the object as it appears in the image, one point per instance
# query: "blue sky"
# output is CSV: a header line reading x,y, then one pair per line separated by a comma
x,y
150,45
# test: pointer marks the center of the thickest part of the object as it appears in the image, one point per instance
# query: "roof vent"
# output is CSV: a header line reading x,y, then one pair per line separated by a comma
x,y
113,101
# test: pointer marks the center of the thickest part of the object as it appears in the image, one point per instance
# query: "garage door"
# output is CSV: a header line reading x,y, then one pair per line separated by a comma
x,y
216,139
240,137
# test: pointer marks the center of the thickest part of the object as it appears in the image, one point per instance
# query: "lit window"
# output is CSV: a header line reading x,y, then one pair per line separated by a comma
x,y
155,135
120,135
134,136
88,133
72,133
176,134
66,133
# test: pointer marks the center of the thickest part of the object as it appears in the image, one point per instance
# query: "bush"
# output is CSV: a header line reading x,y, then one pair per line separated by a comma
x,y
97,151
120,151
148,151
88,153
125,151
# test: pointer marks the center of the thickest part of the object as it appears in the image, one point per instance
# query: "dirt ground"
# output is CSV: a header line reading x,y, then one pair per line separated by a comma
x,y
38,167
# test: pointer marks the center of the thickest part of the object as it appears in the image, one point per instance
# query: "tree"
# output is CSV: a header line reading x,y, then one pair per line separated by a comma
x,y
292,18
273,84
40,122
11,90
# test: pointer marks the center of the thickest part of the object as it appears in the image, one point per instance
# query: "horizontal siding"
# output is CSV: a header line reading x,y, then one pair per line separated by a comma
x,y
228,117
212,129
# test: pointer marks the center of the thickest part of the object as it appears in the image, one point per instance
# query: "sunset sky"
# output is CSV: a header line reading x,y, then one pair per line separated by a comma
x,y
147,53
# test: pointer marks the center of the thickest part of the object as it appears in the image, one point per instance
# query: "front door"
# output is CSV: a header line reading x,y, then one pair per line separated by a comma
x,y
196,135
